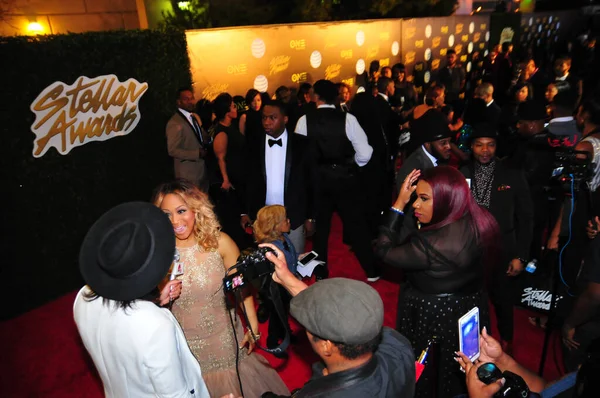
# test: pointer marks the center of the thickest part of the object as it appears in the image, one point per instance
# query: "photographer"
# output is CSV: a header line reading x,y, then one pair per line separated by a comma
x,y
344,324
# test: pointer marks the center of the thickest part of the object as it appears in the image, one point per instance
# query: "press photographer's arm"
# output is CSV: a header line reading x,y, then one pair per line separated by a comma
x,y
282,274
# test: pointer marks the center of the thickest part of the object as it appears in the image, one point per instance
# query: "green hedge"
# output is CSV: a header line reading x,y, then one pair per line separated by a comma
x,y
50,202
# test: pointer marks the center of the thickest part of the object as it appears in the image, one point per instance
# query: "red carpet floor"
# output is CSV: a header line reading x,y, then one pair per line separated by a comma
x,y
42,355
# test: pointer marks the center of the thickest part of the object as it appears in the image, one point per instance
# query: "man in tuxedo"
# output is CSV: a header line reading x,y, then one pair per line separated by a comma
x,y
339,149
279,172
565,80
505,193
186,141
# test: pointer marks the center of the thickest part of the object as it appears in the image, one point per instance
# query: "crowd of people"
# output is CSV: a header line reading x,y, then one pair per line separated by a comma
x,y
454,187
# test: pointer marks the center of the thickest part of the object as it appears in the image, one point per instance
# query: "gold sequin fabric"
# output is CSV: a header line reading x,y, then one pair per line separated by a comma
x,y
202,312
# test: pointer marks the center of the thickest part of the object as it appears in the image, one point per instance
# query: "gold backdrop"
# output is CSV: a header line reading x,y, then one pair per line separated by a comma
x,y
266,57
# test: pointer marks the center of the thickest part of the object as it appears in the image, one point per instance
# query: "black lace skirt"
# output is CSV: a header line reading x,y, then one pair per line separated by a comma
x,y
422,317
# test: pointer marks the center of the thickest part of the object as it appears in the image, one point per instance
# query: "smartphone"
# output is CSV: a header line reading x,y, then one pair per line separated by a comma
x,y
468,334
308,258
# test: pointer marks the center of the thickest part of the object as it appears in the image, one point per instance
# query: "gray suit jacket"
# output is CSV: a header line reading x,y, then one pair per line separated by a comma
x,y
417,160
184,148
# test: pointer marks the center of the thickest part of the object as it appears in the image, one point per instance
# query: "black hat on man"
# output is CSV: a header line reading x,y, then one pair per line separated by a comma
x,y
127,252
432,126
340,310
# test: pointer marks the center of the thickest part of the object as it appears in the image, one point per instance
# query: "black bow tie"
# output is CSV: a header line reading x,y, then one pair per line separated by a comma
x,y
275,142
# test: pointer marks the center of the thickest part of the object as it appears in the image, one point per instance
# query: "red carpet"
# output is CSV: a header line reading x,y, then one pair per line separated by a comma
x,y
43,356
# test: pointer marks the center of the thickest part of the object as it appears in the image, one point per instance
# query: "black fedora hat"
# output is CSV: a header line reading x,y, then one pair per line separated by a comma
x,y
432,126
128,251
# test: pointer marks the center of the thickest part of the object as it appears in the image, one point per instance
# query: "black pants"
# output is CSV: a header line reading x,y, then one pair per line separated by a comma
x,y
339,191
377,181
502,296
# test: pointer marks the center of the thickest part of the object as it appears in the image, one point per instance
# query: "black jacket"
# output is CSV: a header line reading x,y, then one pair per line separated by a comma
x,y
417,160
511,206
390,373
299,174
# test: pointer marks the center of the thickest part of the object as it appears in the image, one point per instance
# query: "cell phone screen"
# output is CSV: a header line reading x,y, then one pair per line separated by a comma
x,y
469,334
308,258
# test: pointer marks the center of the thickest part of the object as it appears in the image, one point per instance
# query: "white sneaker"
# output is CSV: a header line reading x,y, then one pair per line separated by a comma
x,y
373,279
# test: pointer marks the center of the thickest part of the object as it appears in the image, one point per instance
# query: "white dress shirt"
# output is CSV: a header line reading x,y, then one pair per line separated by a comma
x,y
385,97
489,103
275,158
354,132
430,156
562,78
138,352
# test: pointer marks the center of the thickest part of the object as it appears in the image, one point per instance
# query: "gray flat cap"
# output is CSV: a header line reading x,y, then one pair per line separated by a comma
x,y
341,310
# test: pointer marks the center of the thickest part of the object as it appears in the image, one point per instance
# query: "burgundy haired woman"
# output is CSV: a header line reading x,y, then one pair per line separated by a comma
x,y
445,263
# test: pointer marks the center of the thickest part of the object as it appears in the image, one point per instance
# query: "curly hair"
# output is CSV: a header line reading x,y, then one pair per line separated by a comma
x,y
206,226
267,220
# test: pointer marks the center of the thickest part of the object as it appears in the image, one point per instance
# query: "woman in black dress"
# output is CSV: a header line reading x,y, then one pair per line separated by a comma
x,y
445,263
251,120
226,168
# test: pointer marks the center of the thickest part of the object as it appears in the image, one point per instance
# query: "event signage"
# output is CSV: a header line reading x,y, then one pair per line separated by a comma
x,y
90,109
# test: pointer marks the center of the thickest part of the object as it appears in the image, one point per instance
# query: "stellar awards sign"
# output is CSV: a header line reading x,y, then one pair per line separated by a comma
x,y
91,109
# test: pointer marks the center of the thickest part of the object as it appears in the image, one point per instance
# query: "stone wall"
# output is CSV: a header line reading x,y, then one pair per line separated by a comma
x,y
63,16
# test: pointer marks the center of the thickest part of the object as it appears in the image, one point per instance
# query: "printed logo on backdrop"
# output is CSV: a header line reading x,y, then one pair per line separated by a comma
x,y
436,41
372,52
298,44
300,77
349,82
384,35
538,298
279,64
237,70
211,92
91,109
346,54
507,35
384,62
411,32
332,71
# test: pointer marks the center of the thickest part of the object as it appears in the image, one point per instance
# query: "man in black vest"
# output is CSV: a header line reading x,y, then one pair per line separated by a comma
x,y
339,148
504,192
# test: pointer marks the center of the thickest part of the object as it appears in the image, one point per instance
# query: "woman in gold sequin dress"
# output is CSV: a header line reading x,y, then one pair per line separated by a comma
x,y
207,253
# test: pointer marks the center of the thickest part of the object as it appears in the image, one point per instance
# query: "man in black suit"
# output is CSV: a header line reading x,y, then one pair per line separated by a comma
x,y
432,130
485,92
279,173
504,192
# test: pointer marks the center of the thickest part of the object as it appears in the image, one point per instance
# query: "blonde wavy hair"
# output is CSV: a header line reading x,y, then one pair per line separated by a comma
x,y
267,221
206,226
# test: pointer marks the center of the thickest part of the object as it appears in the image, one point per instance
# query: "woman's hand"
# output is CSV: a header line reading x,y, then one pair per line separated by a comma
x,y
476,387
226,186
170,292
248,339
489,348
407,189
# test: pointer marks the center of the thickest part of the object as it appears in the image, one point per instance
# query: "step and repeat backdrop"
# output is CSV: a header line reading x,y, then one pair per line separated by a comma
x,y
265,57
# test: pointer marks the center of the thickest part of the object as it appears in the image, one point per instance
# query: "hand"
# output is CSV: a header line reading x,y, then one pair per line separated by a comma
x,y
245,220
475,387
552,243
226,185
515,267
248,339
568,332
170,292
407,189
592,230
282,274
309,227
490,349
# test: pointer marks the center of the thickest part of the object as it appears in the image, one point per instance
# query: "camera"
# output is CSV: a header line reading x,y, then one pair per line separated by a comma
x,y
572,169
514,386
249,268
